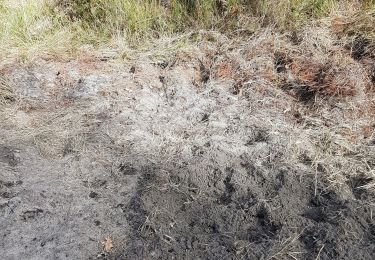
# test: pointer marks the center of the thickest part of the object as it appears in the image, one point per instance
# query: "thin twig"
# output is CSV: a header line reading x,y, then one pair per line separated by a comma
x,y
318,256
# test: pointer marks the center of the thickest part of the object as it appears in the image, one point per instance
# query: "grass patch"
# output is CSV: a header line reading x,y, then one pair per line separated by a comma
x,y
291,14
51,27
29,29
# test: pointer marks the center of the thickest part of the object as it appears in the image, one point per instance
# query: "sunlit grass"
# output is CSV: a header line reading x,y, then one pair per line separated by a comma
x,y
30,28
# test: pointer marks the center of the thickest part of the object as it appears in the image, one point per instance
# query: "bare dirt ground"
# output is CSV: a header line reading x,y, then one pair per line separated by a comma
x,y
216,152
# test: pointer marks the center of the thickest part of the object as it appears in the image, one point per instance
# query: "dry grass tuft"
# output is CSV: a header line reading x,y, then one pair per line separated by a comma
x,y
6,91
325,79
357,31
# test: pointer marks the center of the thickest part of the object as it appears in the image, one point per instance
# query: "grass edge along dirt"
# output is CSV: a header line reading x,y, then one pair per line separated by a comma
x,y
59,28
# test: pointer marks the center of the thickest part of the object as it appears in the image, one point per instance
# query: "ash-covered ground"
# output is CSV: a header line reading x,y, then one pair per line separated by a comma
x,y
242,152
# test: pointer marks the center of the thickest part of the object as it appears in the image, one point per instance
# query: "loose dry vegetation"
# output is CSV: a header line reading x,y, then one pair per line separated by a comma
x,y
187,129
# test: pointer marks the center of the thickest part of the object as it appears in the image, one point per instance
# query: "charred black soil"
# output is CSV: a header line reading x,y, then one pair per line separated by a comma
x,y
246,213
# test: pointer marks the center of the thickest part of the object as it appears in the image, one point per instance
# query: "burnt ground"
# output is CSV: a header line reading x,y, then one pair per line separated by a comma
x,y
171,165
247,214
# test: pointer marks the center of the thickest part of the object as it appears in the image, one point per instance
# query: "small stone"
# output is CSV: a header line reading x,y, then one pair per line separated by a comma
x,y
93,195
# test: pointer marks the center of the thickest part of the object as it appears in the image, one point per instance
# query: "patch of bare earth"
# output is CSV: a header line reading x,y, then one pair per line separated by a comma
x,y
262,149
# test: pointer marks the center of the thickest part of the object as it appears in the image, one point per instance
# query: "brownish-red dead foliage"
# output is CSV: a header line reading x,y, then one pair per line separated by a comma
x,y
325,79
